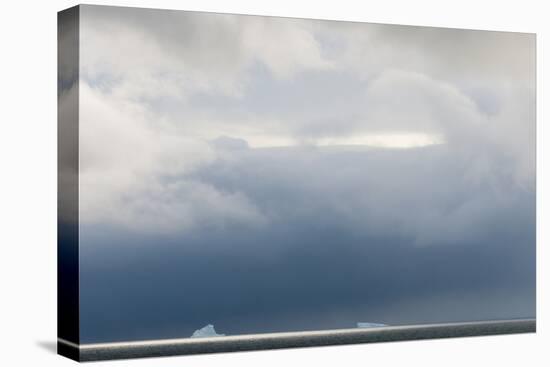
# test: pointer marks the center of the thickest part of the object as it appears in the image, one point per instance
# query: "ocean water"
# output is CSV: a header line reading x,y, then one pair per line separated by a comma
x,y
90,352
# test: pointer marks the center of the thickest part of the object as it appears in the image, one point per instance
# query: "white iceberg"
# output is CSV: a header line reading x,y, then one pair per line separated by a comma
x,y
369,325
206,332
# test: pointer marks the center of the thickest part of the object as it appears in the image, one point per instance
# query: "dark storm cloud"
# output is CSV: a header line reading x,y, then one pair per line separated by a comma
x,y
322,279
375,191
328,260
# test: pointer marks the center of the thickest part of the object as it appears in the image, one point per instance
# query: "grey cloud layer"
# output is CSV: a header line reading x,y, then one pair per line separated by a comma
x,y
158,86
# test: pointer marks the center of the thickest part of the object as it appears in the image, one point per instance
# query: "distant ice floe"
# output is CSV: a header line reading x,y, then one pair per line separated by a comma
x,y
369,325
206,332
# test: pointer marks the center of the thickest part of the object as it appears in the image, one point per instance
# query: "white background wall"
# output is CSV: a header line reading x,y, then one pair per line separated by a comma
x,y
28,183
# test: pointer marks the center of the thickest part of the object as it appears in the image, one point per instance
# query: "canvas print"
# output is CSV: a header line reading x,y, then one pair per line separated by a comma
x,y
236,182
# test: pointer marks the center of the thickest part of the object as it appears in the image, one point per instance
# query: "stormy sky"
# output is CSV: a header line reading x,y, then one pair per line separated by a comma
x,y
272,174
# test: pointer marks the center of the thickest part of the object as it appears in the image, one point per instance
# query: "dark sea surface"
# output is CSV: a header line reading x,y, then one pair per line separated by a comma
x,y
91,352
